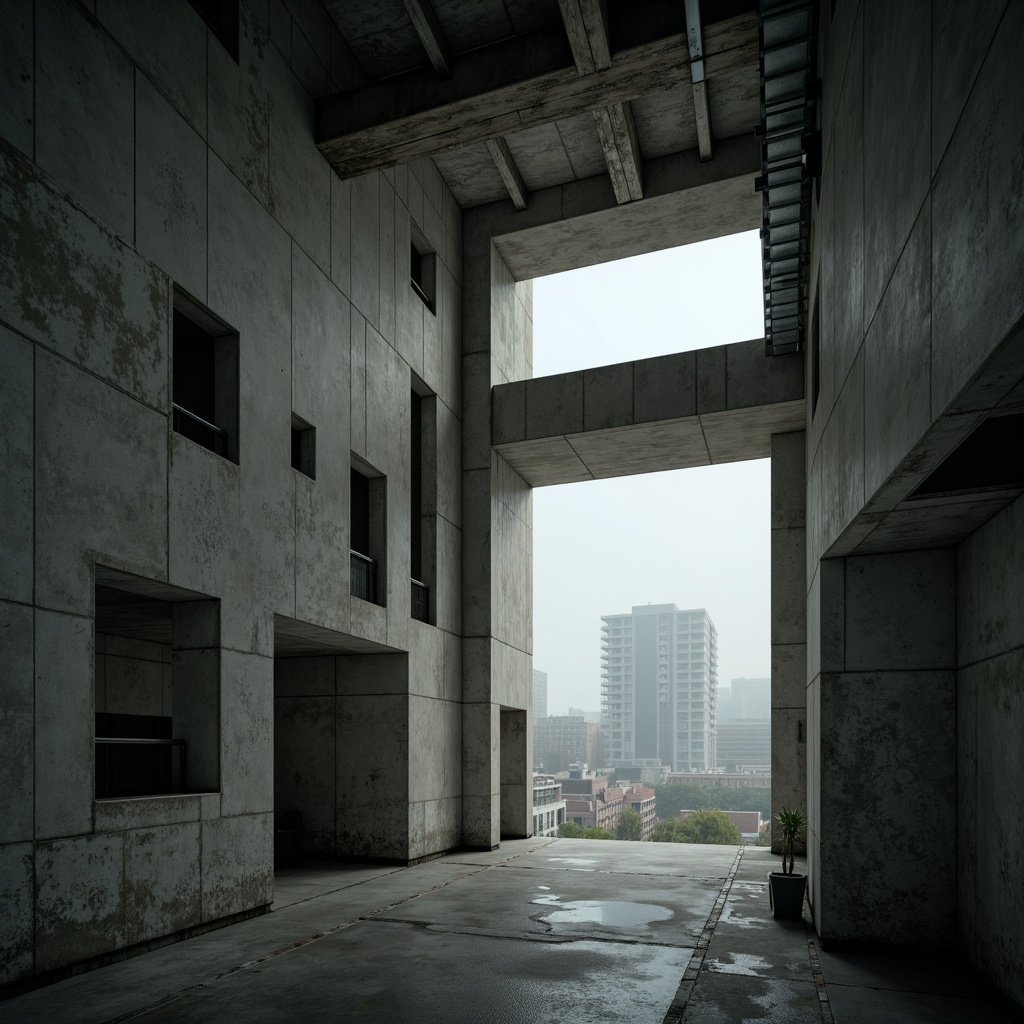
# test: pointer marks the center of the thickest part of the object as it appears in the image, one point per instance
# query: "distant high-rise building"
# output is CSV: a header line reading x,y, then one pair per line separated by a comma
x,y
540,695
745,723
659,686
562,740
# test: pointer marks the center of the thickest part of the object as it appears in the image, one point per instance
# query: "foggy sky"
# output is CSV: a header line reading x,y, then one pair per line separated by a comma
x,y
696,538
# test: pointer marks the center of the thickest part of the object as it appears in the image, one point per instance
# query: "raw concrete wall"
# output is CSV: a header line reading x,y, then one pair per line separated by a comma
x,y
136,157
918,233
990,761
883,764
133,677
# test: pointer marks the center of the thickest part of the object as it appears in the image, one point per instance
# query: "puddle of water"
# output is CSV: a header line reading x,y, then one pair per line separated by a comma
x,y
546,888
742,963
573,860
612,913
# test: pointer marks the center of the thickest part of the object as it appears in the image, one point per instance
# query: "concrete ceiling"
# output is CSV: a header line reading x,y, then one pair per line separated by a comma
x,y
513,97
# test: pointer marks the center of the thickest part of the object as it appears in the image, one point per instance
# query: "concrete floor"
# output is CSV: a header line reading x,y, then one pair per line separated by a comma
x,y
562,931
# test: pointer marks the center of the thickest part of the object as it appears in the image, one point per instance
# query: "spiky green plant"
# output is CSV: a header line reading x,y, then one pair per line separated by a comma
x,y
791,830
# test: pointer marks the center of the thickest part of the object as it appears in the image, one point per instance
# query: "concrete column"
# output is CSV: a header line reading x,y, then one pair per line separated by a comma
x,y
789,618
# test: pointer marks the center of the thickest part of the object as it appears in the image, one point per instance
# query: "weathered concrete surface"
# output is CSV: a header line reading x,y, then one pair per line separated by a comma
x,y
720,404
539,930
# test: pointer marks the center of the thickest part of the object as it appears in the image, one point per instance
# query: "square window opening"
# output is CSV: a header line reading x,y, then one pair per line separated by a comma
x,y
156,689
204,381
303,447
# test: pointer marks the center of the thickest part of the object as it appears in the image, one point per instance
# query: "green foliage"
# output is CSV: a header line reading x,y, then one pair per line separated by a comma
x,y
630,826
791,829
678,796
570,830
764,837
667,831
705,826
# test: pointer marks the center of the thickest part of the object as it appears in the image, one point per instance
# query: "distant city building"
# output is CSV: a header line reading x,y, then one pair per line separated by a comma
x,y
562,740
745,724
642,800
590,716
591,801
727,780
659,687
540,695
548,806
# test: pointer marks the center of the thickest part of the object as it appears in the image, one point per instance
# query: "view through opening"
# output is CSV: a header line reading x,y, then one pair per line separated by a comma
x,y
693,539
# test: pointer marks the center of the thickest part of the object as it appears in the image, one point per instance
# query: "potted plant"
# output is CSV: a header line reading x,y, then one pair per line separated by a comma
x,y
786,889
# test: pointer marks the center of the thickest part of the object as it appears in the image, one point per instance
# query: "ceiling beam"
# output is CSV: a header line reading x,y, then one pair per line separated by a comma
x,y
586,25
510,175
423,19
617,132
519,83
698,76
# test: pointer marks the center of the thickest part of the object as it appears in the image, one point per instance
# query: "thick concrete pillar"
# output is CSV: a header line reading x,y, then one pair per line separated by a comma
x,y
515,775
789,620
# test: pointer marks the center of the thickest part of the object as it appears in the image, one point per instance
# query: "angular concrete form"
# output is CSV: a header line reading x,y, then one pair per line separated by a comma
x,y
330,216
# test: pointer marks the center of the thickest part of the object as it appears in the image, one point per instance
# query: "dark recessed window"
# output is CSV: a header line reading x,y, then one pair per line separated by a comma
x,y
423,269
221,17
303,447
367,520
204,382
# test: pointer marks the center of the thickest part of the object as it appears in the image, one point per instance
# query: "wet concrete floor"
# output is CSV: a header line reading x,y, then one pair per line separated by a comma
x,y
537,931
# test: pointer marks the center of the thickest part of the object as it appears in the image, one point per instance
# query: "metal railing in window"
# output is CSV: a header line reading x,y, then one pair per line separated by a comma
x,y
420,601
195,428
139,767
364,576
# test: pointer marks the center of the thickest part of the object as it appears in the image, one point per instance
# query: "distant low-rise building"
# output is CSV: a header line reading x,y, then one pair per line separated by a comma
x,y
642,800
591,801
562,740
548,805
728,780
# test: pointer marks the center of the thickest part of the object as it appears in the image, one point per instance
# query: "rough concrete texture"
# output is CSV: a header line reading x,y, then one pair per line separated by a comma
x,y
540,930
650,415
990,716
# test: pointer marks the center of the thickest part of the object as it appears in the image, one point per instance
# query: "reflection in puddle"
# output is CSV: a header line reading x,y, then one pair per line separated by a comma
x,y
612,913
743,963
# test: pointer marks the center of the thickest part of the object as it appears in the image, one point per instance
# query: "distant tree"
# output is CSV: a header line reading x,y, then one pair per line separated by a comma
x,y
677,796
710,826
666,831
630,826
593,832
764,836
705,826
570,830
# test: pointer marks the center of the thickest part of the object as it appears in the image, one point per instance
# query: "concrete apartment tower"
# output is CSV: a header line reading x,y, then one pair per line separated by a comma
x,y
270,431
659,687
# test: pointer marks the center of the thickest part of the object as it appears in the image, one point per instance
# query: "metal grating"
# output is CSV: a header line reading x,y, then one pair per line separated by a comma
x,y
790,157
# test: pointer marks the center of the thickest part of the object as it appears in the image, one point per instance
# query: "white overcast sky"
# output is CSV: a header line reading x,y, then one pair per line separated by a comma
x,y
696,538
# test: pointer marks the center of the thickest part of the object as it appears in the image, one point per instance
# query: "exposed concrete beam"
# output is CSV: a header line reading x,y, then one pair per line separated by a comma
x,y
510,175
586,25
579,224
715,405
698,74
519,83
617,132
423,19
